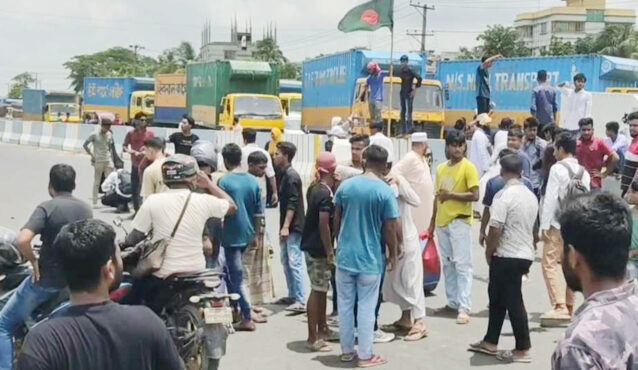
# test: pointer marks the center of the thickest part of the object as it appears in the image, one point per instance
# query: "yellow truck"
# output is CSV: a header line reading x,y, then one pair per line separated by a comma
x,y
428,108
622,90
258,111
62,112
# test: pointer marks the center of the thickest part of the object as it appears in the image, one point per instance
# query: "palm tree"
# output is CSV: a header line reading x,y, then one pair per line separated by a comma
x,y
620,41
268,50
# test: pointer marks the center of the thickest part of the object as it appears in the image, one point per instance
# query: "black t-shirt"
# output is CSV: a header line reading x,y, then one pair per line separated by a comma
x,y
291,197
407,80
102,336
47,220
183,143
319,200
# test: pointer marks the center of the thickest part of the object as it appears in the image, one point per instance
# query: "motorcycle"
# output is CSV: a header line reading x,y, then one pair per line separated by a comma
x,y
198,317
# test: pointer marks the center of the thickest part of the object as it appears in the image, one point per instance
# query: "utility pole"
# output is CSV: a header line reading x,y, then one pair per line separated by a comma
x,y
135,48
423,9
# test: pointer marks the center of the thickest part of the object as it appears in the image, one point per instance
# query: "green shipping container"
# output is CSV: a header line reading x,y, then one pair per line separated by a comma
x,y
207,83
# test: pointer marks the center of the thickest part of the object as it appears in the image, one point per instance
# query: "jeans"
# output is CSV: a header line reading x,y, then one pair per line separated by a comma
x,y
100,169
482,105
366,290
455,245
294,265
27,297
135,186
406,112
504,290
376,308
236,277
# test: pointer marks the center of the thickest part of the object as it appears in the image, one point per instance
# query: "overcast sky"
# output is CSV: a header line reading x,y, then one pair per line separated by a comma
x,y
40,35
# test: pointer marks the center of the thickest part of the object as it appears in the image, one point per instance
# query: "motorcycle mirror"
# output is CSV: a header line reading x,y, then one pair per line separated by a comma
x,y
117,222
194,299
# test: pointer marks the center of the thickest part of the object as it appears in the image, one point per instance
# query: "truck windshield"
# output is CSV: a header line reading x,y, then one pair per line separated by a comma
x,y
257,106
63,109
295,105
149,102
427,98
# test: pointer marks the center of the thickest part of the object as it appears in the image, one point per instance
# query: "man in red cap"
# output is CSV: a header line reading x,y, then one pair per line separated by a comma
x,y
316,243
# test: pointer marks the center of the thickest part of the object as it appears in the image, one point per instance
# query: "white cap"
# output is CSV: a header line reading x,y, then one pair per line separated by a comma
x,y
483,119
419,137
337,131
335,121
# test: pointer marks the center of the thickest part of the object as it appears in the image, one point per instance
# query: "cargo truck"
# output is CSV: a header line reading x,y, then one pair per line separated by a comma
x,y
170,99
130,97
50,106
332,86
221,93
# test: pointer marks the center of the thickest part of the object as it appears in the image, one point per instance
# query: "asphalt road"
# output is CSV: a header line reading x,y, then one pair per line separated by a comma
x,y
279,343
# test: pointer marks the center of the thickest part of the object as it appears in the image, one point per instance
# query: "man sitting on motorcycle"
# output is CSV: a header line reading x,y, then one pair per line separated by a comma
x,y
96,333
47,279
159,215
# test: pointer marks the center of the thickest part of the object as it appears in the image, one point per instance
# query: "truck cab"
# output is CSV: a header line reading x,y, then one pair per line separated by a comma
x,y
142,105
57,112
428,108
291,104
258,111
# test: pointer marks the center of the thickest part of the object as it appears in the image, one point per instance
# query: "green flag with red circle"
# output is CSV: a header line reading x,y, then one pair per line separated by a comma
x,y
369,16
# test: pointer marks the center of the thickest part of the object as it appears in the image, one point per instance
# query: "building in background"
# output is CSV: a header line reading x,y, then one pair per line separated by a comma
x,y
242,46
577,19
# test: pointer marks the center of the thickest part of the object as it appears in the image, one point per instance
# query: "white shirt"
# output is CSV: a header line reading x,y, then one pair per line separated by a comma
x,y
620,145
385,142
479,151
112,182
578,106
500,143
160,212
557,189
514,209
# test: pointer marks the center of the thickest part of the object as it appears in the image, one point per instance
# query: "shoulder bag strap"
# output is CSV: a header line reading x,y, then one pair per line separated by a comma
x,y
181,215
569,169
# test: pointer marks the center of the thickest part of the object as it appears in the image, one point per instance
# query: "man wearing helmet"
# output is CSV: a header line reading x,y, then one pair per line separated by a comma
x,y
407,94
375,90
160,213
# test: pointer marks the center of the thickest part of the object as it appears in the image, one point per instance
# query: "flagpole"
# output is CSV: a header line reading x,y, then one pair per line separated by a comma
x,y
391,110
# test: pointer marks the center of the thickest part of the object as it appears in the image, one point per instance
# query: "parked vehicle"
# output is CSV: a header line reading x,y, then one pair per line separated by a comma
x,y
170,99
57,112
291,104
131,97
289,86
50,106
257,111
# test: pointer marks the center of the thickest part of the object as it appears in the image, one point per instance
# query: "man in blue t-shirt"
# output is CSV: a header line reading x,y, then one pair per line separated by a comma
x,y
483,83
365,219
241,227
374,85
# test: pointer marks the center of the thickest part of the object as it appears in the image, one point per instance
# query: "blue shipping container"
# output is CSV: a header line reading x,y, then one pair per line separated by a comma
x,y
33,101
329,81
169,114
114,92
289,86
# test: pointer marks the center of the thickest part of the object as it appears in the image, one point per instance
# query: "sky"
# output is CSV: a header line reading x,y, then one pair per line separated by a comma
x,y
40,35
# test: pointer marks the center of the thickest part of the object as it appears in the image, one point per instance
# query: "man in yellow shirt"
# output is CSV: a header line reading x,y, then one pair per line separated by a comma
x,y
152,181
456,187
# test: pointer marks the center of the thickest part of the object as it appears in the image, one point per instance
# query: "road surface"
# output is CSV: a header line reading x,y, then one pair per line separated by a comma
x,y
279,343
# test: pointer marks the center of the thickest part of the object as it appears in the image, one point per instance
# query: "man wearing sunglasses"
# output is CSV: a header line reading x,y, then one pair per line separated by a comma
x,y
133,144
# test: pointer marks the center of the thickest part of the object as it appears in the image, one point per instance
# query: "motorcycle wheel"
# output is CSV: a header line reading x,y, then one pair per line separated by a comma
x,y
192,349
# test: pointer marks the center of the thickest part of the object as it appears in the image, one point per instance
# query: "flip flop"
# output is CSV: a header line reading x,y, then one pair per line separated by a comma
x,y
347,357
415,334
376,360
394,327
478,347
509,357
259,318
318,346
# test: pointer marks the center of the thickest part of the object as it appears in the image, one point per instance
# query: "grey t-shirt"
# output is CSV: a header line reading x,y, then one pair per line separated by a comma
x,y
102,145
482,82
47,220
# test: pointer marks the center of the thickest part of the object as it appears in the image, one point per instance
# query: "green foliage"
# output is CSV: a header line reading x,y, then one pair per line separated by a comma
x,y
291,71
469,54
268,51
499,39
585,45
175,59
558,47
19,82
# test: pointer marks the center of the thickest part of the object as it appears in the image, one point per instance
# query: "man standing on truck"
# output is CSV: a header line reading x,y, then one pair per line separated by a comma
x,y
407,94
133,143
579,103
374,91
483,83
544,106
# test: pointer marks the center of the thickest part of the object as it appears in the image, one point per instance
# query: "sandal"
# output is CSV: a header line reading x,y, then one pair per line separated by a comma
x,y
416,333
375,360
479,347
509,357
319,346
259,318
347,357
394,327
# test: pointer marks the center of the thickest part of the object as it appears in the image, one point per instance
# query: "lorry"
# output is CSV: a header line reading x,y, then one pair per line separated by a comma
x,y
332,86
50,106
222,93
513,79
170,99
129,97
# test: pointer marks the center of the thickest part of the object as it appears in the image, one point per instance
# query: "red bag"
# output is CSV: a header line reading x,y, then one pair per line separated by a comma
x,y
430,256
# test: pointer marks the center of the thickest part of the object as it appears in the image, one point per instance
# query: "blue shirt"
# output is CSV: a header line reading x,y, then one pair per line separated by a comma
x,y
239,227
527,164
496,184
544,103
375,82
365,204
482,82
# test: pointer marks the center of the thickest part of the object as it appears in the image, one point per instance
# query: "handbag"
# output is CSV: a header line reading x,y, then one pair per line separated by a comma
x,y
431,262
152,257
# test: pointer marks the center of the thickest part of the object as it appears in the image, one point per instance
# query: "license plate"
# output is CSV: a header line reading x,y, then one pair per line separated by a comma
x,y
218,315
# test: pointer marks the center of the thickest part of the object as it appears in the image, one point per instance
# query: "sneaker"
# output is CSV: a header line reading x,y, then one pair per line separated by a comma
x,y
285,301
463,318
382,337
296,307
333,321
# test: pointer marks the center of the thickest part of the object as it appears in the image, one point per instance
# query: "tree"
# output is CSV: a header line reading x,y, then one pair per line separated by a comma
x,y
469,54
617,40
502,40
19,82
585,45
175,59
558,47
268,51
291,71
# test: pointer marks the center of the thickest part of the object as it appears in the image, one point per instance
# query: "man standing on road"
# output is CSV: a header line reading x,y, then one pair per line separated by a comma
x,y
185,139
618,142
480,147
594,154
631,155
355,166
133,144
317,244
509,253
483,83
578,103
241,228
597,233
544,106
96,333
515,142
374,85
250,136
407,94
534,147
291,222
456,187
152,180
561,175
47,279
101,156
365,220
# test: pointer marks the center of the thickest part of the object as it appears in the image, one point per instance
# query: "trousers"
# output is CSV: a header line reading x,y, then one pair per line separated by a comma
x,y
407,103
100,169
559,294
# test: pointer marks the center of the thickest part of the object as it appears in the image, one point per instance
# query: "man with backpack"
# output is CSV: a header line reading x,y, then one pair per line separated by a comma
x,y
566,179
